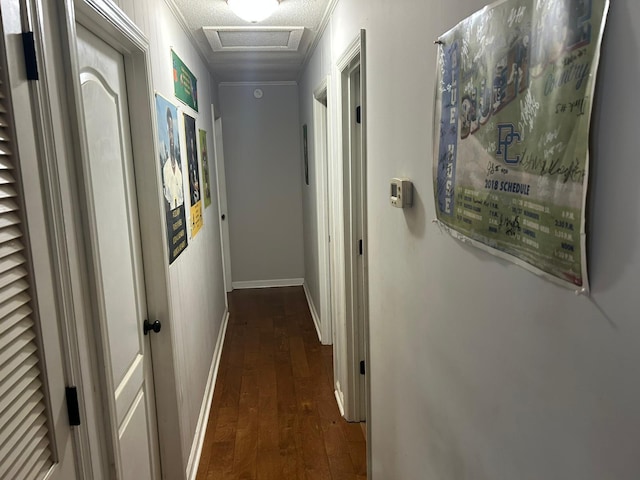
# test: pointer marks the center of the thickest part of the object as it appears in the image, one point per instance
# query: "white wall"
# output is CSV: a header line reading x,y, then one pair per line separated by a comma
x,y
480,369
195,278
263,162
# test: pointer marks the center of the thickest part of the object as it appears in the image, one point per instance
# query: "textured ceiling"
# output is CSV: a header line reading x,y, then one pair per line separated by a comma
x,y
240,51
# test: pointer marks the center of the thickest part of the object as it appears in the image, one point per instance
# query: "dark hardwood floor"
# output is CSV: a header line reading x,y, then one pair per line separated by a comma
x,y
274,415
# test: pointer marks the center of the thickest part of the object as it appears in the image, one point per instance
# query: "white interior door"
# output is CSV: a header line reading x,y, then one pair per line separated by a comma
x,y
359,204
355,237
116,259
351,281
222,203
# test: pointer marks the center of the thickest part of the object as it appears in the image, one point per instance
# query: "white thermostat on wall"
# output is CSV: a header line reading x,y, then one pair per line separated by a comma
x,y
401,192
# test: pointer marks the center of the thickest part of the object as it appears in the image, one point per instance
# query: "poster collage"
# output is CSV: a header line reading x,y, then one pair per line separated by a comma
x,y
515,86
172,163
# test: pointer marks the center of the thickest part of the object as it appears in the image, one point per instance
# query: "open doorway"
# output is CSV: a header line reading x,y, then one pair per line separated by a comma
x,y
349,254
321,147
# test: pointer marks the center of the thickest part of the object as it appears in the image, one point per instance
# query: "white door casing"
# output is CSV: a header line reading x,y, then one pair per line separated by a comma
x,y
115,251
222,202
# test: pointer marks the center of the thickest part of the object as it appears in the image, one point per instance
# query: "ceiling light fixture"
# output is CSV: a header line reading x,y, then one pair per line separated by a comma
x,y
253,10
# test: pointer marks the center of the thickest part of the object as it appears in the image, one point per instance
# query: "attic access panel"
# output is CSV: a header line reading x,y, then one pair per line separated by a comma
x,y
254,39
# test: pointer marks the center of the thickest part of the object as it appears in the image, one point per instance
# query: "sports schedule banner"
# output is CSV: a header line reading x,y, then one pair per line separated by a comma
x,y
513,106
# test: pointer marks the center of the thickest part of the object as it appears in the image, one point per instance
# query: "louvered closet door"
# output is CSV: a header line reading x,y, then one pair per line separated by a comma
x,y
25,451
30,448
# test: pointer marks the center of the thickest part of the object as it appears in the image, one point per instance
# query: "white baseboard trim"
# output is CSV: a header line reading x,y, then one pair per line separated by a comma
x,y
283,282
205,409
312,309
339,399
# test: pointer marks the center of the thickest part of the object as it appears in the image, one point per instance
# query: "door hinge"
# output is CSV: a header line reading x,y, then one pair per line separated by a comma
x,y
362,370
30,59
358,114
73,408
360,246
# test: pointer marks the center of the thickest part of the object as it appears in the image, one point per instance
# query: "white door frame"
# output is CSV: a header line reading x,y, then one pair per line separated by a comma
x,y
350,312
223,210
109,23
321,147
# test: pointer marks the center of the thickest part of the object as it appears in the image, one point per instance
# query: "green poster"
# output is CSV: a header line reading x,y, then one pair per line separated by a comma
x,y
185,83
513,105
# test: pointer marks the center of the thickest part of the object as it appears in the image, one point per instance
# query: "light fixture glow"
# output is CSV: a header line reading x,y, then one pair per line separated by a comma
x,y
253,10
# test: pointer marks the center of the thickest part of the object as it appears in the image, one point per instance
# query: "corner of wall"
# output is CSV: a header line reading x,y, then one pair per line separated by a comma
x,y
314,312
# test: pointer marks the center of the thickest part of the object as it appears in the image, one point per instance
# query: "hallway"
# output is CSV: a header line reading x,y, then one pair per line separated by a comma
x,y
274,414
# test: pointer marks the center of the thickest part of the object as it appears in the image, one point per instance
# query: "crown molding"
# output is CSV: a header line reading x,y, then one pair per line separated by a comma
x,y
321,28
177,14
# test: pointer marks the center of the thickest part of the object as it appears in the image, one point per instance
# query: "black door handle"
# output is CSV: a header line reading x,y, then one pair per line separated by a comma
x,y
223,216
155,326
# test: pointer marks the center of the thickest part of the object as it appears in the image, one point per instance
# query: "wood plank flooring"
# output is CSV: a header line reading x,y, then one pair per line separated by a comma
x,y
274,415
